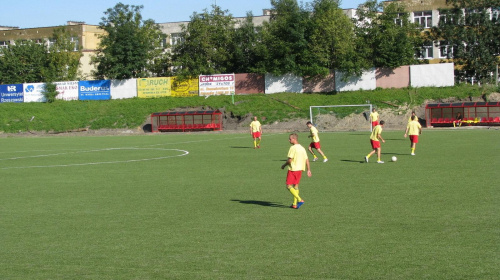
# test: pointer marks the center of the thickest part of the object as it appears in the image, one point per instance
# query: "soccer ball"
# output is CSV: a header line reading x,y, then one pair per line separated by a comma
x,y
394,158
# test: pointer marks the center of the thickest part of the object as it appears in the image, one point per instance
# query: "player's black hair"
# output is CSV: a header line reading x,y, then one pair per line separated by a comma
x,y
382,122
308,123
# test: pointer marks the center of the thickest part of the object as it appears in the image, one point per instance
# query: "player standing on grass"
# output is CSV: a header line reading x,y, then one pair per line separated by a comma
x,y
297,162
375,138
256,132
413,129
374,117
315,142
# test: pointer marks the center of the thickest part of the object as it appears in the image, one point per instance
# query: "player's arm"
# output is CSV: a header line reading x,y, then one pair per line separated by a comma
x,y
288,162
406,131
308,168
380,137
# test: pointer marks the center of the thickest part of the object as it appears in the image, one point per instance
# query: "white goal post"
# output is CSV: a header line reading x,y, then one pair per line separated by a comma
x,y
341,117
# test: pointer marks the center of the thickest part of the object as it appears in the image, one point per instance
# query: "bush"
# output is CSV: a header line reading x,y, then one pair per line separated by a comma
x,y
49,92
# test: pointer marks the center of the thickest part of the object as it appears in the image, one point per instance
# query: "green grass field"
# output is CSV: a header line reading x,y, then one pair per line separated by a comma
x,y
209,206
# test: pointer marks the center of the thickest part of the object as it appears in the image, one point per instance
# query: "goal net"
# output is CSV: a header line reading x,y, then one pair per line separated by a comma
x,y
341,117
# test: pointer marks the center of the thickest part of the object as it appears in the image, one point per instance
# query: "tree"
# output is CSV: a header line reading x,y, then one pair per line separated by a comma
x,y
245,44
471,33
331,40
130,46
63,57
386,35
23,62
285,48
206,44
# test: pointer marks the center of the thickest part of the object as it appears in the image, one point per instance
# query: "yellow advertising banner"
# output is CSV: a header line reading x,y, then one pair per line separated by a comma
x,y
154,87
185,88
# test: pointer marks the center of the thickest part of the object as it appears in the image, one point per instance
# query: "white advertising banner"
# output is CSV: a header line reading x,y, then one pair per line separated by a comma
x,y
367,81
220,84
285,83
121,89
67,90
33,92
432,75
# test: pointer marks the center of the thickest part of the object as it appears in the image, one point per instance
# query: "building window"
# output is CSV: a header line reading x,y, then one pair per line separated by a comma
x,y
445,50
426,51
423,18
495,13
50,43
175,38
4,44
399,19
75,42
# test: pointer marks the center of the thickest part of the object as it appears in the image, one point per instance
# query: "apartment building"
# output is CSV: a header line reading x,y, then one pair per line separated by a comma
x,y
426,13
83,35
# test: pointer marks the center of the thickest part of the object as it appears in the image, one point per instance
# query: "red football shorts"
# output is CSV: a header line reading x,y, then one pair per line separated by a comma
x,y
414,138
375,144
374,124
293,177
315,145
256,134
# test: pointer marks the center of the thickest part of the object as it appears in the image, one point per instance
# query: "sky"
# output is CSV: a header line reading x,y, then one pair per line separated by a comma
x,y
44,13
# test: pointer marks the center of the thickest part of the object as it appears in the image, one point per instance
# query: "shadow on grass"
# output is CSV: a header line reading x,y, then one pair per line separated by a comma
x,y
240,147
261,203
354,161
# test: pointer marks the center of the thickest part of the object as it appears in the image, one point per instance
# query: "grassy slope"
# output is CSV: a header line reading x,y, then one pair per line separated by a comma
x,y
131,113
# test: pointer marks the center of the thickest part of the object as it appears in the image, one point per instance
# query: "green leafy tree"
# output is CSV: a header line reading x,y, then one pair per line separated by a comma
x,y
285,47
131,45
206,44
63,57
23,62
471,32
332,40
386,36
245,44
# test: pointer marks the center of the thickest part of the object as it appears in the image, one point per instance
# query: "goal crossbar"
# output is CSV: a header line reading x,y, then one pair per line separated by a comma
x,y
336,106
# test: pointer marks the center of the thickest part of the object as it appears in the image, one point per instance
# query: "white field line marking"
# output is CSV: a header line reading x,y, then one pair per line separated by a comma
x,y
183,153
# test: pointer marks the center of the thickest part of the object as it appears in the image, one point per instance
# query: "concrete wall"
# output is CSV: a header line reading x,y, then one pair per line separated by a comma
x,y
326,84
285,83
366,81
248,83
393,78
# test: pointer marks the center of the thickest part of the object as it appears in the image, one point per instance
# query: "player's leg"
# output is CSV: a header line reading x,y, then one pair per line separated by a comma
x,y
315,158
379,151
322,154
258,141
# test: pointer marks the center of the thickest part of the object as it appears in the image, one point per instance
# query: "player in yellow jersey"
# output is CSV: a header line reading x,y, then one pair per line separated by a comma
x,y
413,129
256,132
375,138
297,162
412,115
315,142
374,117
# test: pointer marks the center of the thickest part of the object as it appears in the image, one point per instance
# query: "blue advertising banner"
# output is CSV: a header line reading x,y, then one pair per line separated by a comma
x,y
12,93
94,90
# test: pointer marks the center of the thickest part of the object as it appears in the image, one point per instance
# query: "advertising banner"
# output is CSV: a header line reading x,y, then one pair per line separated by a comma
x,y
94,90
221,84
11,93
33,92
185,88
154,87
121,89
67,90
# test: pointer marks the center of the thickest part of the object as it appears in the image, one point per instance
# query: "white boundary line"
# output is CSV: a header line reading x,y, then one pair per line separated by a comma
x,y
183,153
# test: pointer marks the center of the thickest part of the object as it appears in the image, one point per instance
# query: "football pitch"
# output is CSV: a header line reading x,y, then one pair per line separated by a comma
x,y
209,206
